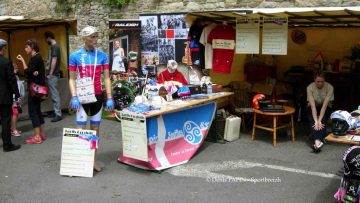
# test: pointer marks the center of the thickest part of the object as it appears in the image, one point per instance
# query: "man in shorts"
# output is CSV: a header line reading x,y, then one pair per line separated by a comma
x,y
92,63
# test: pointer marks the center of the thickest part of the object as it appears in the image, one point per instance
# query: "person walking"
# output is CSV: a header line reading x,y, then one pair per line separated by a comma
x,y
8,87
35,73
53,74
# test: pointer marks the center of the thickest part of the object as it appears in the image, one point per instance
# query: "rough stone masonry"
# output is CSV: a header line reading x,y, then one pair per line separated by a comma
x,y
98,13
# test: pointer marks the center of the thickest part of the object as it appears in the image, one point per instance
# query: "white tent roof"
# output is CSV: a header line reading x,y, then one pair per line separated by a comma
x,y
303,10
304,17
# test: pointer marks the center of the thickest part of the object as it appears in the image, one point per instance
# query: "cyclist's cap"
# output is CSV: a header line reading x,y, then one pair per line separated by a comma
x,y
2,43
87,31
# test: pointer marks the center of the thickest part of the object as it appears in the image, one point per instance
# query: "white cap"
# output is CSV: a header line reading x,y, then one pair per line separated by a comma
x,y
172,64
87,31
2,43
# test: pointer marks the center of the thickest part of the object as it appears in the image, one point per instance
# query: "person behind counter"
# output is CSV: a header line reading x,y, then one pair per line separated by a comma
x,y
171,75
320,95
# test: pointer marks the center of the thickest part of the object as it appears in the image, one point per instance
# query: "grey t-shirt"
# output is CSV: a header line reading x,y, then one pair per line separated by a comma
x,y
319,95
54,52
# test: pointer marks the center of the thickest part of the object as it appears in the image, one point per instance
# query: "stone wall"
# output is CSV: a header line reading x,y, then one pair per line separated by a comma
x,y
97,13
94,13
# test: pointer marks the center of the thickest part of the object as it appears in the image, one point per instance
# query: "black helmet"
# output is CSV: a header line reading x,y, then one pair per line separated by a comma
x,y
351,159
339,127
122,96
341,122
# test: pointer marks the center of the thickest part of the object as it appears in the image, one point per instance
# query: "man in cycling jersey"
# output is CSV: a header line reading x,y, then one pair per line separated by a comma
x,y
90,62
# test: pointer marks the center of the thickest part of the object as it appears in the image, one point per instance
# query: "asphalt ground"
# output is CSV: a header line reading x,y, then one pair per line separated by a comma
x,y
239,171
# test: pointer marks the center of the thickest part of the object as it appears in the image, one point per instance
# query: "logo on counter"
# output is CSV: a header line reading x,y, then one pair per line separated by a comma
x,y
192,133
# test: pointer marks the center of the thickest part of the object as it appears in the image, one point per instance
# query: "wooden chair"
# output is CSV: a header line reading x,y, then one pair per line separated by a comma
x,y
241,103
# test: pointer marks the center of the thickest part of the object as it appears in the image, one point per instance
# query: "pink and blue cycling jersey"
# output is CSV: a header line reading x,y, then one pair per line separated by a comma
x,y
82,61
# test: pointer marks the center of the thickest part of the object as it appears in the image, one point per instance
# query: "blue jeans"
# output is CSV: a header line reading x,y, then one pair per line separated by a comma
x,y
321,134
34,107
54,93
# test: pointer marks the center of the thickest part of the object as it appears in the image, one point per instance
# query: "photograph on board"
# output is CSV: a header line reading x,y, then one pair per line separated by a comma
x,y
149,43
149,25
166,50
172,22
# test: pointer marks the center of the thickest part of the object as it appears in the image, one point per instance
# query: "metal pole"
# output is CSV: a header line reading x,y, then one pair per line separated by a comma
x,y
67,47
8,46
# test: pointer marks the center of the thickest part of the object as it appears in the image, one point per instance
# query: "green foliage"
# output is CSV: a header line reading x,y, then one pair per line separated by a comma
x,y
64,6
119,3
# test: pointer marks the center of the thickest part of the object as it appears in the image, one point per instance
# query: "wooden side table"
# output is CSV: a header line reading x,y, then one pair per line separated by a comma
x,y
289,111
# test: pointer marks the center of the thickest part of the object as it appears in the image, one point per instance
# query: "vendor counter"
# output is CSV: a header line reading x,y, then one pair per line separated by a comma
x,y
171,136
47,105
345,139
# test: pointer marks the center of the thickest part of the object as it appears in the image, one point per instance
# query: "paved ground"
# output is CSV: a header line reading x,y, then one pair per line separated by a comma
x,y
215,174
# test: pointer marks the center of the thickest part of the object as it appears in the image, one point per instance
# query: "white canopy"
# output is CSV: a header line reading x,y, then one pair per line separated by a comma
x,y
298,17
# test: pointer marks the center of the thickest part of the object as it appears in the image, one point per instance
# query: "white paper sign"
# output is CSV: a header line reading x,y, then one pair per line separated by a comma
x,y
134,136
247,35
85,90
275,36
356,138
77,158
223,44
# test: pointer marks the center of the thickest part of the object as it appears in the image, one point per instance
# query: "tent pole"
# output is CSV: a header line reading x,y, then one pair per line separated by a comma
x,y
8,45
67,46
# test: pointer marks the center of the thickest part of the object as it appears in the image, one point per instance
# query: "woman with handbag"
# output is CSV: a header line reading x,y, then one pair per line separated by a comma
x,y
35,74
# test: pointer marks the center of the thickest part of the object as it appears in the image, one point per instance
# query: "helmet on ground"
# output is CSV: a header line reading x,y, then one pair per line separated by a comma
x,y
351,159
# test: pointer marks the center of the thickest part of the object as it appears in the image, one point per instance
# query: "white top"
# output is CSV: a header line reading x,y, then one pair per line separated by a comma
x,y
118,64
208,47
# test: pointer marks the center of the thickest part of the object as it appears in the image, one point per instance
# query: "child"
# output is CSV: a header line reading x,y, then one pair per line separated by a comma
x,y
16,108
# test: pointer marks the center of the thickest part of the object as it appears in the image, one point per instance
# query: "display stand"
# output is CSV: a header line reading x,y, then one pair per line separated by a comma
x,y
78,152
173,134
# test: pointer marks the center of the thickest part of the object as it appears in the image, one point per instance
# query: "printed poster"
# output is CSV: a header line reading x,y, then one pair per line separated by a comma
x,y
163,37
133,131
124,37
274,36
247,35
174,138
77,152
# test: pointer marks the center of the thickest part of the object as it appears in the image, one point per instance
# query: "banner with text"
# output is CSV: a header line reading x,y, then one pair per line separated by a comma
x,y
78,152
275,36
174,138
247,35
124,38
